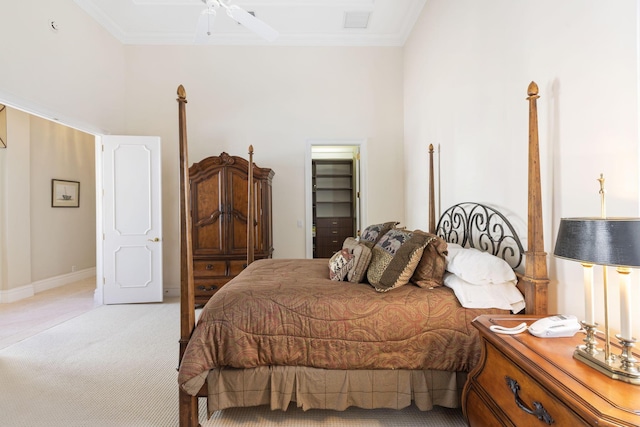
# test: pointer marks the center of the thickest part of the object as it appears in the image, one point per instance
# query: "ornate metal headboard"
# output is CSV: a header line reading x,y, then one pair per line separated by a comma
x,y
482,227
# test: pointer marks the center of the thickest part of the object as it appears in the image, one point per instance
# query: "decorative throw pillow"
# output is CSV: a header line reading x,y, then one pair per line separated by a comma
x,y
430,270
477,267
340,264
361,259
394,259
373,233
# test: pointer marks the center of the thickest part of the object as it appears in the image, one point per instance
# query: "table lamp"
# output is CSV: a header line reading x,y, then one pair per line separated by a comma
x,y
606,242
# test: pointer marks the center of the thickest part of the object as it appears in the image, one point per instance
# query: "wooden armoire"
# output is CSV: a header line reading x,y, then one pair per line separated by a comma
x,y
219,205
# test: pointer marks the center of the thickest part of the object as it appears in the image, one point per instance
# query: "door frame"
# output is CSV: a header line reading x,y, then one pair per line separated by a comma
x,y
98,294
308,192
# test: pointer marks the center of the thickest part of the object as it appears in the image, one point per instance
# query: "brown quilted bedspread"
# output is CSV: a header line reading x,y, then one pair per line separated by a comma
x,y
287,312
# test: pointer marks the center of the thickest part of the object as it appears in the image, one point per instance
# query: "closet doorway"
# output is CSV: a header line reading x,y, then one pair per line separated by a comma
x,y
335,194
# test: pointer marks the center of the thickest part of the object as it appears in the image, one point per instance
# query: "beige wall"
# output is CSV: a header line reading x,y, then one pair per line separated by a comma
x,y
467,68
16,203
62,239
38,241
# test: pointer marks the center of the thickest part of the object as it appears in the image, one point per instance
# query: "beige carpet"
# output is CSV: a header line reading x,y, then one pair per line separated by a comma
x,y
116,366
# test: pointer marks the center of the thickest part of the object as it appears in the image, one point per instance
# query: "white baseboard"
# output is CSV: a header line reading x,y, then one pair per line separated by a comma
x,y
26,291
16,294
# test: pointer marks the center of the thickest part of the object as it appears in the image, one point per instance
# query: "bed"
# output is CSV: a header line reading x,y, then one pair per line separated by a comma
x,y
282,331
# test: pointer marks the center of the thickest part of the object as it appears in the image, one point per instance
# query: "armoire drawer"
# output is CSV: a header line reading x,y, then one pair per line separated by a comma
x,y
209,268
206,287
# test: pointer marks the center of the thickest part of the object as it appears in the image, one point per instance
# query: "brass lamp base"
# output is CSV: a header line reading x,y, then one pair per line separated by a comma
x,y
621,368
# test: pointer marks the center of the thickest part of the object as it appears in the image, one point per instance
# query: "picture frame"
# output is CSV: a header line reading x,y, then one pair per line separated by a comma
x,y
3,126
65,194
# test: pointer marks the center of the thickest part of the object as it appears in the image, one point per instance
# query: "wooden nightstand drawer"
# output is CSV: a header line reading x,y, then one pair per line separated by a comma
x,y
523,380
515,392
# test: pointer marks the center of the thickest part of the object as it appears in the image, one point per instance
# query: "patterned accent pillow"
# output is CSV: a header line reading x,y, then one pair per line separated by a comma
x,y
373,233
430,270
361,259
340,264
394,259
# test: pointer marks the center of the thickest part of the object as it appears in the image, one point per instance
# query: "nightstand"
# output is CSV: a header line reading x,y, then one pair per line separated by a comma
x,y
522,380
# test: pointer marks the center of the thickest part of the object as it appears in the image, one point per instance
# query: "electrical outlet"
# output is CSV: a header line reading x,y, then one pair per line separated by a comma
x,y
73,268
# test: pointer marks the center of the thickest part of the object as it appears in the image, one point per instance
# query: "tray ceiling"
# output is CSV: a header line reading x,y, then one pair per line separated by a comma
x,y
299,22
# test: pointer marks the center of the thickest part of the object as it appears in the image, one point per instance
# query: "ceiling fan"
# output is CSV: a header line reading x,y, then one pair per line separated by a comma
x,y
205,21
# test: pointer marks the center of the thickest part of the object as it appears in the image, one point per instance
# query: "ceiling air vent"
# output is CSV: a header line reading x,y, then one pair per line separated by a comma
x,y
356,19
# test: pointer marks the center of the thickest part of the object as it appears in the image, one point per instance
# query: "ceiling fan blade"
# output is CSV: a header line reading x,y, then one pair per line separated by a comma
x,y
205,25
251,22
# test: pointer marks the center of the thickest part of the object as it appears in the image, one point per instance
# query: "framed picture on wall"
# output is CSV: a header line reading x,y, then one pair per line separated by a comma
x,y
3,126
65,194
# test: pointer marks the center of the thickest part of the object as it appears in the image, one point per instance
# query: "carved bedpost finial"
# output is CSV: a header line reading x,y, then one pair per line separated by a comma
x,y
532,90
431,148
251,149
182,94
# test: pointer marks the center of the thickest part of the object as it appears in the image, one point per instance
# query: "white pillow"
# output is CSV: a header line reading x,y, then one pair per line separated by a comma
x,y
477,267
496,295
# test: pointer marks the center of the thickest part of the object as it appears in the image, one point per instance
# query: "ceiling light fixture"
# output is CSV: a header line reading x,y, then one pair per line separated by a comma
x,y
204,27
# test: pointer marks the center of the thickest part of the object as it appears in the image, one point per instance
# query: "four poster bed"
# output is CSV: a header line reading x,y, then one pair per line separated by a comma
x,y
282,331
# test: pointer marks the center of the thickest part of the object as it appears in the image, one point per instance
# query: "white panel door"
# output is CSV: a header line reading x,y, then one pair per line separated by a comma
x,y
132,239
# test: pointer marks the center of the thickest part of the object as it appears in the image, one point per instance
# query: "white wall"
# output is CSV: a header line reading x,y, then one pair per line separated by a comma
x,y
467,68
75,76
274,98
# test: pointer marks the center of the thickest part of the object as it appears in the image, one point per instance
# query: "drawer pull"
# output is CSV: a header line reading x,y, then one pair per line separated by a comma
x,y
209,289
539,410
209,267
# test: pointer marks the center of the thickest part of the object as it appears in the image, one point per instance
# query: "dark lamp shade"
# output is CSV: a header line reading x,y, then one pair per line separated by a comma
x,y
602,241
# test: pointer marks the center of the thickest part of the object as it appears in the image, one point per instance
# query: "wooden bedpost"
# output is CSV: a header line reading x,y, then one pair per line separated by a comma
x,y
188,406
536,278
250,208
432,200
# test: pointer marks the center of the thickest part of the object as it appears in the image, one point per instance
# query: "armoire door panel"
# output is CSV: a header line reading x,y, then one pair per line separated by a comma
x,y
208,214
239,203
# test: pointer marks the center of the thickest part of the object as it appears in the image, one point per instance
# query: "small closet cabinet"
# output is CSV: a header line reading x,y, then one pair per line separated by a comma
x,y
219,205
333,205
